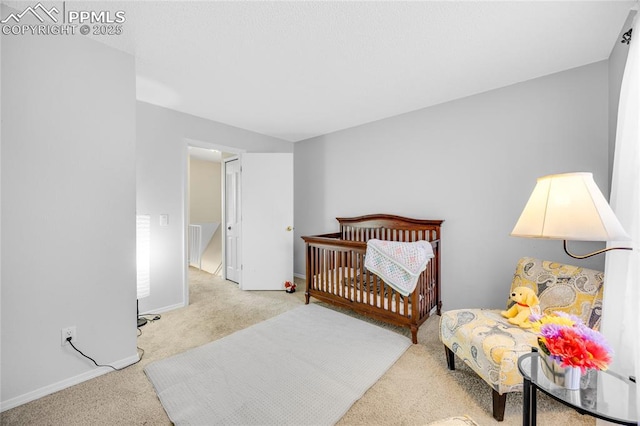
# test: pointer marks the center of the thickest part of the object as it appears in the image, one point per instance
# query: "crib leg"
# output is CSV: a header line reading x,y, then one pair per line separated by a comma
x,y
414,334
306,298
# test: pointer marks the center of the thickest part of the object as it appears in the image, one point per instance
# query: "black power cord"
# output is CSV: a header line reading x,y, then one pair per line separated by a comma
x,y
103,365
156,317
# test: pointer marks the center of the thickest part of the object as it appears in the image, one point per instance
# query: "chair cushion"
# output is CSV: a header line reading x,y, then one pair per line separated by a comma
x,y
488,344
571,289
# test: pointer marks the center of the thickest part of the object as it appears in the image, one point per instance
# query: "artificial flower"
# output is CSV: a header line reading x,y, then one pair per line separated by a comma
x,y
571,343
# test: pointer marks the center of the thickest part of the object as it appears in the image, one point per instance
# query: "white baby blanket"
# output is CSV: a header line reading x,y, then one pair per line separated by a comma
x,y
399,264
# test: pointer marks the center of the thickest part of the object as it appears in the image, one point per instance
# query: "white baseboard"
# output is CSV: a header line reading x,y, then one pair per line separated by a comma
x,y
301,276
72,381
164,309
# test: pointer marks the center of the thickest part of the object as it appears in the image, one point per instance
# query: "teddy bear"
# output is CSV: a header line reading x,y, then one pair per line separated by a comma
x,y
527,303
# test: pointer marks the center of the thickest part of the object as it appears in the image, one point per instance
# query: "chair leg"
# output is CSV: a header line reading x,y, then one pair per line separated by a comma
x,y
499,403
451,358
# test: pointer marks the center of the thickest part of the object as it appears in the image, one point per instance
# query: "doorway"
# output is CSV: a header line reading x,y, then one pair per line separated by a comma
x,y
204,208
204,248
261,239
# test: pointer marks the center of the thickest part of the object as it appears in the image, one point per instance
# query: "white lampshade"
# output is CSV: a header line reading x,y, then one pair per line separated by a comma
x,y
143,244
569,206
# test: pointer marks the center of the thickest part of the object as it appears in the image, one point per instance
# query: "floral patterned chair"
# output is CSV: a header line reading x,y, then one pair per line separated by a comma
x,y
491,346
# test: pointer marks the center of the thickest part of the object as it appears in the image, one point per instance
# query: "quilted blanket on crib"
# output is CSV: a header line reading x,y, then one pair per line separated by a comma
x,y
399,264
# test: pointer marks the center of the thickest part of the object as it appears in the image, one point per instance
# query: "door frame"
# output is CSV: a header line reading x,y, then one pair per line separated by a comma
x,y
185,202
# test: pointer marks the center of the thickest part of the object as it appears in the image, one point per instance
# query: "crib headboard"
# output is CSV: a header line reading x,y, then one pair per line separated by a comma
x,y
388,227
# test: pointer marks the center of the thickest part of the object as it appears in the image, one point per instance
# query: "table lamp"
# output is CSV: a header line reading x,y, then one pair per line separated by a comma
x,y
570,206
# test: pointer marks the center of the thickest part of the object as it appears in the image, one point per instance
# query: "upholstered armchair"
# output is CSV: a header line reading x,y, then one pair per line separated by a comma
x,y
491,346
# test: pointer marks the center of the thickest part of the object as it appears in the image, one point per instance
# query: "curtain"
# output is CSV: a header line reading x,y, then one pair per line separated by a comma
x,y
621,310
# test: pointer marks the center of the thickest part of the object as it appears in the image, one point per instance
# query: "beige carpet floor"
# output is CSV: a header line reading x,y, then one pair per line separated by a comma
x,y
417,390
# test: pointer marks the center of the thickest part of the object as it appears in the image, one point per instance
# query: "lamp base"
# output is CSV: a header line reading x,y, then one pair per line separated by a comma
x,y
142,321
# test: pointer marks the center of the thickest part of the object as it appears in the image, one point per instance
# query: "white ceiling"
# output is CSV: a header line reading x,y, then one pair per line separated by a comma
x,y
295,70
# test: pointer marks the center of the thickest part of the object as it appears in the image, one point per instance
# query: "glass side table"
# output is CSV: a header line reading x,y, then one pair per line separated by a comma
x,y
602,394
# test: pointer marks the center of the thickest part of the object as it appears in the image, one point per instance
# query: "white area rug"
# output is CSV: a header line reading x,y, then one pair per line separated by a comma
x,y
306,366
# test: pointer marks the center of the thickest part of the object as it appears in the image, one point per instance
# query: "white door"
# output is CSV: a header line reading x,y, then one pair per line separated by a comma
x,y
232,220
267,221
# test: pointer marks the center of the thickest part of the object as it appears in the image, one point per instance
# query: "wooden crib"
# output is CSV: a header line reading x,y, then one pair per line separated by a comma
x,y
336,273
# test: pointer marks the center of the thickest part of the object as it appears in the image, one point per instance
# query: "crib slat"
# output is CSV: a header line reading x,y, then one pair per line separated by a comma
x,y
325,268
341,275
364,280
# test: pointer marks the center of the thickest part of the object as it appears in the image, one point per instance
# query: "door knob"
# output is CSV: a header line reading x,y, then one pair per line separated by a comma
x,y
289,228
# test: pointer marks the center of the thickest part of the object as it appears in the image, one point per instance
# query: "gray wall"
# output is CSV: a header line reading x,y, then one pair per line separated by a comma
x,y
161,170
68,212
472,162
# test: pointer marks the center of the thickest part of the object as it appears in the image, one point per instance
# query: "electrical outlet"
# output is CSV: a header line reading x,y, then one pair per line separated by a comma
x,y
67,332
